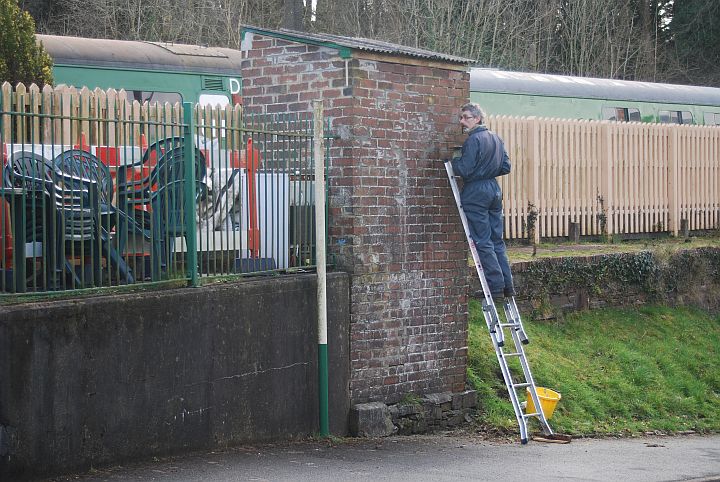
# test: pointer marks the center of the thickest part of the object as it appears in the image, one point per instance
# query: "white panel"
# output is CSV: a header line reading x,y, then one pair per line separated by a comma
x,y
272,194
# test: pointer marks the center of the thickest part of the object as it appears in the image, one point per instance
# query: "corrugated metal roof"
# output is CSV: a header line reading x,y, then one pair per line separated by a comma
x,y
357,43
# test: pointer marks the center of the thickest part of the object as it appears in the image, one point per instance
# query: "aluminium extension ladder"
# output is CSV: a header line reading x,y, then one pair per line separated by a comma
x,y
497,334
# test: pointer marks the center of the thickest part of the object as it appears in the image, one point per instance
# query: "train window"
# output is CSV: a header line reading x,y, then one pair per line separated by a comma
x,y
621,114
669,117
214,100
711,118
609,113
148,96
676,117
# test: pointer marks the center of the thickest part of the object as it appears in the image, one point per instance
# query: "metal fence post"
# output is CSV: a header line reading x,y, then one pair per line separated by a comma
x,y
190,193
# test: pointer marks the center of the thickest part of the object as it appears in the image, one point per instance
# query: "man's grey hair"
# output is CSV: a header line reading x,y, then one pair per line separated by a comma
x,y
475,110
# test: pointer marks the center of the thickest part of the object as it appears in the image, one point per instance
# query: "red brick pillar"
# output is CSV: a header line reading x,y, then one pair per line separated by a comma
x,y
392,222
395,228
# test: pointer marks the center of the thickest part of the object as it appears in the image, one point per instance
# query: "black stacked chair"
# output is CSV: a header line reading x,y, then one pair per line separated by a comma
x,y
56,215
164,191
85,167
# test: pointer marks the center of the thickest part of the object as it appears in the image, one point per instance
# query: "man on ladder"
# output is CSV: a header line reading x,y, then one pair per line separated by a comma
x,y
483,159
480,206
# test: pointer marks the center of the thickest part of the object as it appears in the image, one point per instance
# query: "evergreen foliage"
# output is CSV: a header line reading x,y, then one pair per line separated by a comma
x,y
21,58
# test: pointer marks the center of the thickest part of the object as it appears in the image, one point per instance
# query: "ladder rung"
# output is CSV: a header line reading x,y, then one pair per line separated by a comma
x,y
506,325
530,415
521,385
512,354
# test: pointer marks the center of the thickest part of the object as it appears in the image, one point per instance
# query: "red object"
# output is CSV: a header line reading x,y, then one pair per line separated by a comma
x,y
239,159
6,238
153,156
82,143
108,155
5,154
235,159
252,163
237,99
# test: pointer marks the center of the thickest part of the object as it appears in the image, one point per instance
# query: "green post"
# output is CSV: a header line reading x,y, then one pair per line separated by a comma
x,y
189,193
323,389
320,256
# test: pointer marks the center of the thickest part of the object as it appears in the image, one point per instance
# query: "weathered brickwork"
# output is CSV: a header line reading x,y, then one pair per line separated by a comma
x,y
392,222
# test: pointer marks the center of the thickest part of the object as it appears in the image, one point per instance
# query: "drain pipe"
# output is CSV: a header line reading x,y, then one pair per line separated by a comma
x,y
320,257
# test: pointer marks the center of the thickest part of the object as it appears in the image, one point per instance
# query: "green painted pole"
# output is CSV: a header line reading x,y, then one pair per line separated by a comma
x,y
320,256
190,194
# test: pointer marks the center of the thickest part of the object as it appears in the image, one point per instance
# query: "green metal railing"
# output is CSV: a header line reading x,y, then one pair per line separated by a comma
x,y
273,204
99,192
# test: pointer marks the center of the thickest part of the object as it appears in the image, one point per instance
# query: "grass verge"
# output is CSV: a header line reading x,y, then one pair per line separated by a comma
x,y
619,371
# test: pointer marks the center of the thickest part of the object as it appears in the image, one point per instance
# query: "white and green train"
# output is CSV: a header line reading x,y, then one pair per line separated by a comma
x,y
148,71
542,95
164,72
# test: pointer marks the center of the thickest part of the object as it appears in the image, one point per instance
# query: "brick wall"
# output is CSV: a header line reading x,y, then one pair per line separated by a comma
x,y
392,222
281,76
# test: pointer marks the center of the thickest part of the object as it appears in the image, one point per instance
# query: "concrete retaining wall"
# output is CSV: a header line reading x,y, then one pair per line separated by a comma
x,y
96,381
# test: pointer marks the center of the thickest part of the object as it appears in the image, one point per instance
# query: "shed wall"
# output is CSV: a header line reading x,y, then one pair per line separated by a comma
x,y
392,222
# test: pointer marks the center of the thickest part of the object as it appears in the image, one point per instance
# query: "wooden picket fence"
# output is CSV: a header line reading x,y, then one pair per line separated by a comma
x,y
609,177
61,115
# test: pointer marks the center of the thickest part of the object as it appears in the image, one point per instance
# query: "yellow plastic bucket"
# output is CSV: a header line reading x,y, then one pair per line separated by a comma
x,y
548,401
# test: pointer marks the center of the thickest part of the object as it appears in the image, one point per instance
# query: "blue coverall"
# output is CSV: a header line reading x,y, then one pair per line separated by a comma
x,y
483,158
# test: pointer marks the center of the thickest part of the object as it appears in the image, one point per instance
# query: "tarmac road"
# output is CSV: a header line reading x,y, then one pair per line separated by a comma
x,y
445,457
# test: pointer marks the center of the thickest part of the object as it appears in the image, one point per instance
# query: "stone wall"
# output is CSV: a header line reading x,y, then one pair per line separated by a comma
x,y
549,287
413,415
393,224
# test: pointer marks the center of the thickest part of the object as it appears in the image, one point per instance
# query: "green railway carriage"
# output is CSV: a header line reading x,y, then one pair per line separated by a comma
x,y
149,71
542,95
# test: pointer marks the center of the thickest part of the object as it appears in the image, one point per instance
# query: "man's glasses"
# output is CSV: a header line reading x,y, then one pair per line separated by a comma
x,y
466,117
